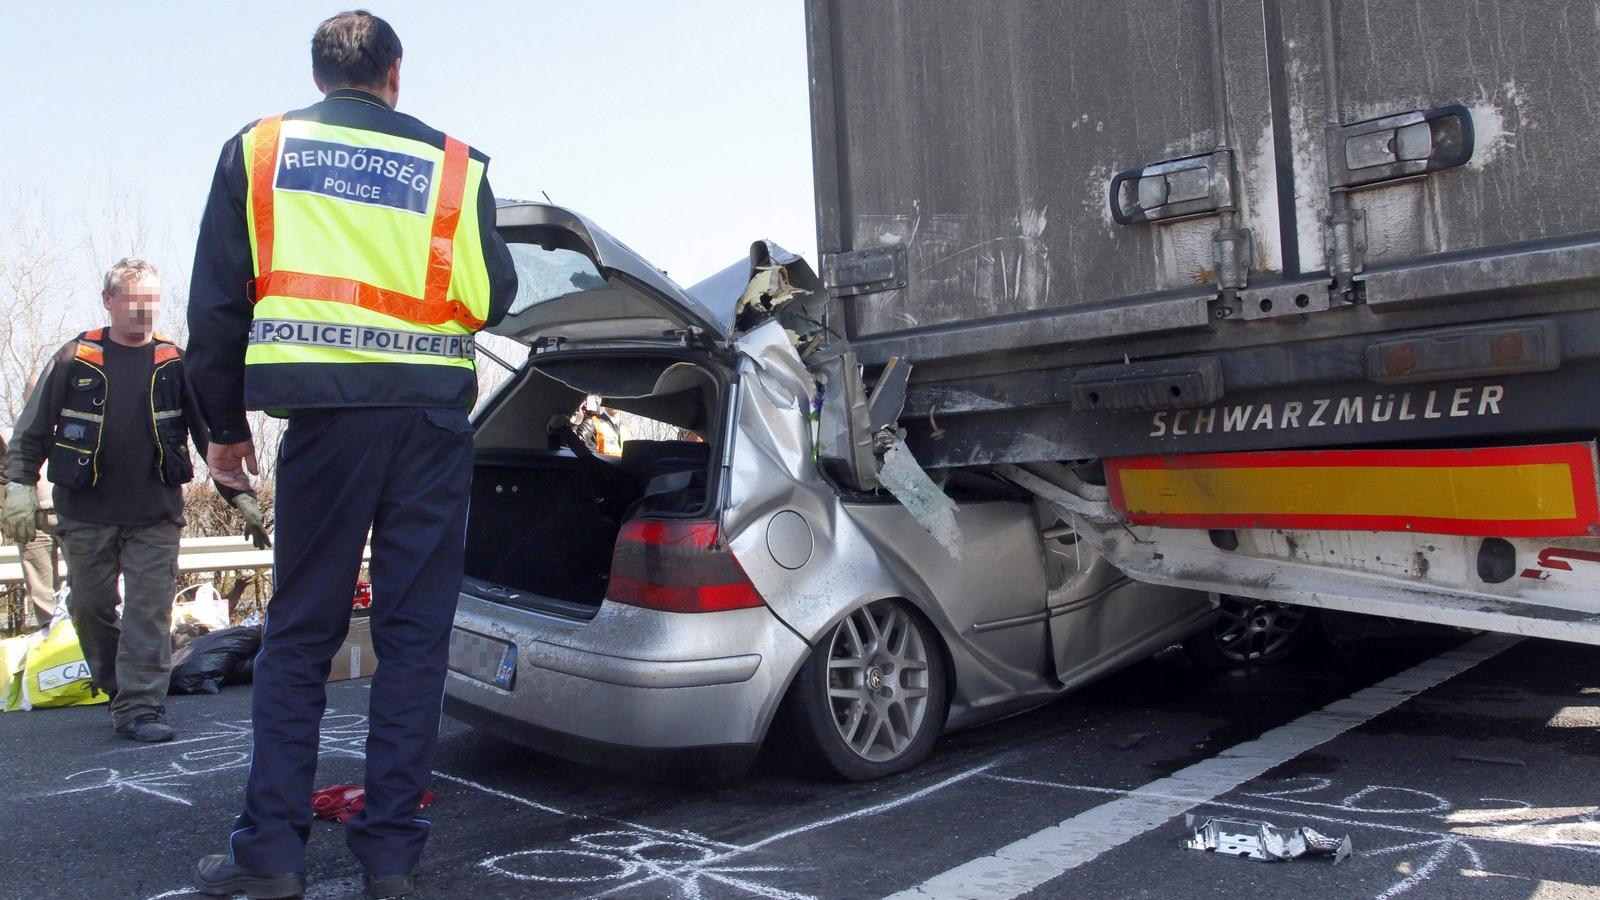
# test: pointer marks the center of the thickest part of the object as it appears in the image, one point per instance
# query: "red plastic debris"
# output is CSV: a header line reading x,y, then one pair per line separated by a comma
x,y
327,802
341,802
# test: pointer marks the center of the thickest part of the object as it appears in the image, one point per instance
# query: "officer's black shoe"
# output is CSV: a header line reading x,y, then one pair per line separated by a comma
x,y
216,876
150,727
386,886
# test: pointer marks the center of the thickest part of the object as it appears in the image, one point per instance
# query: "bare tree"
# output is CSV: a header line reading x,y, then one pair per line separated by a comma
x,y
38,286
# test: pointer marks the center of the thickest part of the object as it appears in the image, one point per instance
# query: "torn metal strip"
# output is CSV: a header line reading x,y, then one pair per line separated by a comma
x,y
1250,839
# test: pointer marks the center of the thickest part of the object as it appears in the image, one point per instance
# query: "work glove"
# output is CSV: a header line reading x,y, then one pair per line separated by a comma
x,y
250,511
19,519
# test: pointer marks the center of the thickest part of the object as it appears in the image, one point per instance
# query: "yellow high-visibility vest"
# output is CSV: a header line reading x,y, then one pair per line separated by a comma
x,y
366,247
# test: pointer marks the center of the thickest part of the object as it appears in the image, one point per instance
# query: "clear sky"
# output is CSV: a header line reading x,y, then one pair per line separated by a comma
x,y
680,127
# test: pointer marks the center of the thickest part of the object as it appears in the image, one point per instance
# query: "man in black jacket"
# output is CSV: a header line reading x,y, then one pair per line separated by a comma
x,y
113,414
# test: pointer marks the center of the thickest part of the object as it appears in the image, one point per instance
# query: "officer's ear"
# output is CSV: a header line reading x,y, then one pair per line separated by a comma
x,y
394,81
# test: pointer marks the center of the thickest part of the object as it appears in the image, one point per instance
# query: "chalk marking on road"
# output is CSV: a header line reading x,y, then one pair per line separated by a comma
x,y
1400,848
223,751
712,864
534,804
1320,817
1032,861
1426,870
503,795
875,809
1449,840
631,853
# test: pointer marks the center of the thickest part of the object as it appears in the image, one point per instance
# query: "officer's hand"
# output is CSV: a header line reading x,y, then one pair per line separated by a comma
x,y
228,463
250,511
18,519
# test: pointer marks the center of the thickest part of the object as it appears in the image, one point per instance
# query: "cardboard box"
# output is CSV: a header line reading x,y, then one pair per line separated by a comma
x,y
355,658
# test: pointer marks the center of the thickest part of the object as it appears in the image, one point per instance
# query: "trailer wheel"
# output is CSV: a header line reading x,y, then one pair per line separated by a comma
x,y
1251,633
871,700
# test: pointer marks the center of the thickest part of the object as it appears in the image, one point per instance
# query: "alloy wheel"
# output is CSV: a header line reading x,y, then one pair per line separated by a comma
x,y
1249,630
878,680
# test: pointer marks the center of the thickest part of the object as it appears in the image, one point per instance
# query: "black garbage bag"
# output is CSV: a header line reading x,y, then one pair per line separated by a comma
x,y
205,664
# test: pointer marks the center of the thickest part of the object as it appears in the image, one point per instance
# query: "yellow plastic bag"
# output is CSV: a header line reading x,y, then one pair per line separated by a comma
x,y
55,672
13,653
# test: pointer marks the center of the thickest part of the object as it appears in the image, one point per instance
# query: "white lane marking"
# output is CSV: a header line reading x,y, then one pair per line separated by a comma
x,y
1030,862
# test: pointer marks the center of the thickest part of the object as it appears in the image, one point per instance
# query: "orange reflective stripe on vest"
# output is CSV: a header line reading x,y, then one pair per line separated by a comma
x,y
263,162
90,353
433,308
366,296
446,215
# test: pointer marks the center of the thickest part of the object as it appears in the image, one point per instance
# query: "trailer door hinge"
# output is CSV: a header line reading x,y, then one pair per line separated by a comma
x,y
1232,255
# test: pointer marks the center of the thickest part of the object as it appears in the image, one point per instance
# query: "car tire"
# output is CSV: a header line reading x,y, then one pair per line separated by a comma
x,y
872,698
1250,632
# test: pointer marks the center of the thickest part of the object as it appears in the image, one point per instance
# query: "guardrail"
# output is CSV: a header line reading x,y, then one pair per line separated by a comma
x,y
202,554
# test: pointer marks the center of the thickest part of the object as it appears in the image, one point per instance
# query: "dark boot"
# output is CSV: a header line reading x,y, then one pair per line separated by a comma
x,y
216,876
385,887
147,727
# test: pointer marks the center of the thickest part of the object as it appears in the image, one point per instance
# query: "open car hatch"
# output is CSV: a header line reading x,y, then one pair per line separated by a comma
x,y
579,285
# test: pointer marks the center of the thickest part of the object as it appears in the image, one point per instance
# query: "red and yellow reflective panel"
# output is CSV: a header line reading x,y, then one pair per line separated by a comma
x,y
1539,491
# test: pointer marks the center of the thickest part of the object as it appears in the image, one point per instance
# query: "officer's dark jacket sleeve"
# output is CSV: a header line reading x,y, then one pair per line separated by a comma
x,y
36,427
195,421
219,310
496,257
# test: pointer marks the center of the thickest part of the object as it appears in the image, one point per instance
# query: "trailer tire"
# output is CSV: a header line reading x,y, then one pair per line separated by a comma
x,y
872,698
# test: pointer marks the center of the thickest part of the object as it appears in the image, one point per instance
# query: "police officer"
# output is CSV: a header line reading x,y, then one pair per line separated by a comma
x,y
112,413
346,257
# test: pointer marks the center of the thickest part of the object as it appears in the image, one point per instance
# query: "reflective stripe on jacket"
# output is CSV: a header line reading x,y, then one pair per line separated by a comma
x,y
74,454
363,249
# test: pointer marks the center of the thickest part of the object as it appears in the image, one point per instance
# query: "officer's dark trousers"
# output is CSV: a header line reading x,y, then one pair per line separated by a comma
x,y
406,474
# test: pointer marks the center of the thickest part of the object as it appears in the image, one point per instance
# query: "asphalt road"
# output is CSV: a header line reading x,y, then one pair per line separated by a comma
x,y
1482,784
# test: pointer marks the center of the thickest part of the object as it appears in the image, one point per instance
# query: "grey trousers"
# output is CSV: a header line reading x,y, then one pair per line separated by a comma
x,y
132,661
39,566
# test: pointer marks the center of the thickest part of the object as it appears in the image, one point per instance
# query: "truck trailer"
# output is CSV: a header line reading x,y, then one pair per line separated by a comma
x,y
1296,300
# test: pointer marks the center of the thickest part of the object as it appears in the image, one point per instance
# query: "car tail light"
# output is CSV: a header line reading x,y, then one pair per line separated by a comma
x,y
678,566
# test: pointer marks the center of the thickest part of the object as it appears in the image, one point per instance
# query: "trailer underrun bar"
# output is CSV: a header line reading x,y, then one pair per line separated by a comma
x,y
1533,491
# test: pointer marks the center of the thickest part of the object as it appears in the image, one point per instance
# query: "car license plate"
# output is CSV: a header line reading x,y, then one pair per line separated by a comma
x,y
483,658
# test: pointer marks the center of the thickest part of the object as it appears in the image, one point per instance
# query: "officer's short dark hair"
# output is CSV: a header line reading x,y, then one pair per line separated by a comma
x,y
354,48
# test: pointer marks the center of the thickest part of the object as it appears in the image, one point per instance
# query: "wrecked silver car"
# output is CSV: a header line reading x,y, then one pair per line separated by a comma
x,y
779,561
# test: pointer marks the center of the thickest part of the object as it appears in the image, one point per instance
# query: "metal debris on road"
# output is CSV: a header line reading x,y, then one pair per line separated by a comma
x,y
1263,840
